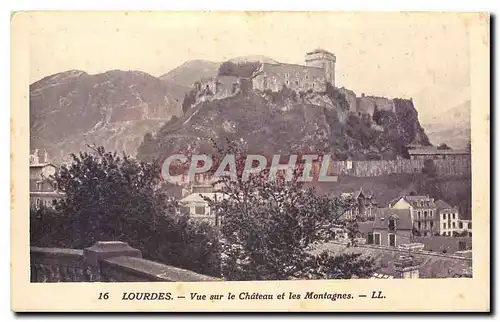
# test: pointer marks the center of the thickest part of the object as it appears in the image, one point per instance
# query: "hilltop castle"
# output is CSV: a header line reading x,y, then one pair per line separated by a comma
x,y
319,69
313,76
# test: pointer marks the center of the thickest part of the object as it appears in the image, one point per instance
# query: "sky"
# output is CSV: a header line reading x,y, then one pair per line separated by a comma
x,y
422,56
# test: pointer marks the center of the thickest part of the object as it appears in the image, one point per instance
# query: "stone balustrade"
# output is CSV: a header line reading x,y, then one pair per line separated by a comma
x,y
110,261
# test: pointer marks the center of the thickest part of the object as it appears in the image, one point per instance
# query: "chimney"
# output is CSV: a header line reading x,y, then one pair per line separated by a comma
x,y
406,266
45,157
36,157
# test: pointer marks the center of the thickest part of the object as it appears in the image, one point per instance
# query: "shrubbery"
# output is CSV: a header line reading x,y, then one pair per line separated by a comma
x,y
270,228
243,69
109,197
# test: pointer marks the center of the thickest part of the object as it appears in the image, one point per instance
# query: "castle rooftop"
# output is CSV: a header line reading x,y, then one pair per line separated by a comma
x,y
319,51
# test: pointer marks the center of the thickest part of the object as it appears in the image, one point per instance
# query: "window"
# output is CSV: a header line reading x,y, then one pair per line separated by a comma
x,y
419,225
286,75
460,225
453,224
425,214
307,77
453,216
313,85
376,239
449,216
461,245
444,225
287,82
369,239
38,203
392,240
444,216
199,210
469,225
418,215
297,83
392,224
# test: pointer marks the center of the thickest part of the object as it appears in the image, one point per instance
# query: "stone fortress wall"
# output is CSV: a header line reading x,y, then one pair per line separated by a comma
x,y
313,76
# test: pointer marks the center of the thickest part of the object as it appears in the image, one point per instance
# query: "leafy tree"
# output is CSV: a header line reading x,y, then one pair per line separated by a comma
x,y
242,69
429,168
189,100
112,197
270,228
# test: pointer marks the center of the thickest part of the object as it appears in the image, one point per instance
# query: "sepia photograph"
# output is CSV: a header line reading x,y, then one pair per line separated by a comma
x,y
251,146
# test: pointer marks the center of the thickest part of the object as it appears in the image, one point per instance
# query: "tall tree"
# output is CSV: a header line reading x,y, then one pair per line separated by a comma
x,y
270,228
113,197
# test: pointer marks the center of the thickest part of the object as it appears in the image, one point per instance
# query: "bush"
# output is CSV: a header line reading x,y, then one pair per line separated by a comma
x,y
243,69
118,198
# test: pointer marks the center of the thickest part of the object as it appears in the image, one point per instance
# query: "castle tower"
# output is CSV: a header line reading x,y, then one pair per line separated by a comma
x,y
323,59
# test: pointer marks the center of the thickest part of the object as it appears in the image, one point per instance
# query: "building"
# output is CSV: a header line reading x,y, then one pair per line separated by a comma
x,y
391,227
367,104
313,76
445,245
406,266
43,188
448,218
433,217
464,226
423,213
362,207
436,154
390,264
319,69
198,207
217,87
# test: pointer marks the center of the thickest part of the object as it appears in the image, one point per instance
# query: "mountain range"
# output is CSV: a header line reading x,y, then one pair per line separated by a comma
x,y
451,126
117,109
72,109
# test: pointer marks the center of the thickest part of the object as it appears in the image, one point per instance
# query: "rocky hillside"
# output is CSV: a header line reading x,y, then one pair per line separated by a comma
x,y
71,109
288,123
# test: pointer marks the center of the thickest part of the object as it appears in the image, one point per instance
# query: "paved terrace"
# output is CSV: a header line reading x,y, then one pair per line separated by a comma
x,y
432,265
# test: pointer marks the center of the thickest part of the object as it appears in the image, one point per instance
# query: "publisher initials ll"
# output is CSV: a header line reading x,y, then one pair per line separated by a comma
x,y
377,295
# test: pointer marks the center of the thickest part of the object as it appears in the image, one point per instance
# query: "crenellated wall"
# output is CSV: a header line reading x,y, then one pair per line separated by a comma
x,y
110,261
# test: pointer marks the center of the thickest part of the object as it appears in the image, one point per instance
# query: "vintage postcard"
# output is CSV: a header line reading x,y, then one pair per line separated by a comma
x,y
250,161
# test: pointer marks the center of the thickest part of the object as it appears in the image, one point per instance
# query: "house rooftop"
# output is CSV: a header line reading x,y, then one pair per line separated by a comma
x,y
199,196
441,204
403,217
41,165
416,201
431,265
